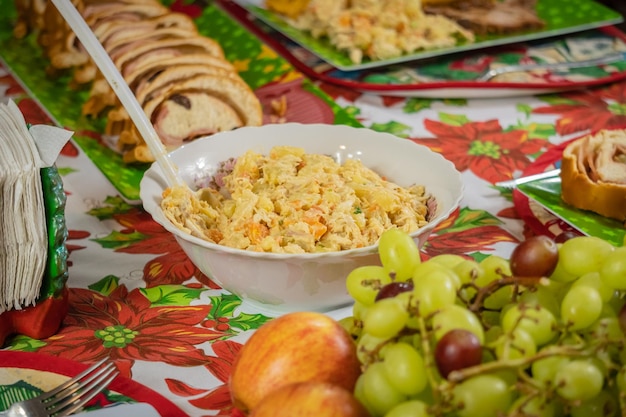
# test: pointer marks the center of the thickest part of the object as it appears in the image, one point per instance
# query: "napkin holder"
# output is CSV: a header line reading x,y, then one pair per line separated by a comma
x,y
39,315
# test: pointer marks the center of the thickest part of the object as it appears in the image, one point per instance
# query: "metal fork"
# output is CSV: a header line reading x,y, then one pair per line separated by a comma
x,y
68,397
510,184
605,60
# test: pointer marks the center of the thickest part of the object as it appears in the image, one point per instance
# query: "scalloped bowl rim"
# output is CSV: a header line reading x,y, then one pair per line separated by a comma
x,y
154,176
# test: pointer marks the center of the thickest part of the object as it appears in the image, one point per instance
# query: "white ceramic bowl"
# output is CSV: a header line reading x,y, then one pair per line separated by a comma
x,y
278,283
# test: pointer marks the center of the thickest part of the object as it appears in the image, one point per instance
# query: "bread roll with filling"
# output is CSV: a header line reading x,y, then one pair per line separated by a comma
x,y
593,173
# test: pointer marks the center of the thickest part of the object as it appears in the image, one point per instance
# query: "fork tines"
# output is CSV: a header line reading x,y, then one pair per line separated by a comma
x,y
72,395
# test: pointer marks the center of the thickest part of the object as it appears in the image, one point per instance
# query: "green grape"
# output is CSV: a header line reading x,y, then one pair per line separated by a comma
x,y
556,288
515,344
426,396
351,325
493,333
578,380
581,307
364,282
583,254
448,260
495,267
536,406
544,370
616,304
537,321
359,310
490,318
592,279
606,328
426,268
398,253
468,271
408,301
622,357
456,317
359,394
613,270
542,296
482,396
433,291
602,405
507,375
367,346
620,378
379,394
599,361
561,275
386,318
412,408
414,340
405,368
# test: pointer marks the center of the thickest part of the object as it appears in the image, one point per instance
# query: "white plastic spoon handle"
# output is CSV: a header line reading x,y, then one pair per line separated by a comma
x,y
119,86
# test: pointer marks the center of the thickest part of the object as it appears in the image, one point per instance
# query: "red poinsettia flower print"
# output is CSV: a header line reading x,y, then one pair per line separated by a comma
x,y
482,147
125,327
218,398
33,113
589,110
13,87
70,150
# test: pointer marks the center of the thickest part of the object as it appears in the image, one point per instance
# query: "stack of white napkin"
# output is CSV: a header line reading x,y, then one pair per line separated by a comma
x,y
23,234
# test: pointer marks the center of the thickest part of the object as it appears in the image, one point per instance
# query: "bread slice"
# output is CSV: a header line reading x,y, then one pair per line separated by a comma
x,y
110,29
162,78
88,8
178,120
153,52
147,65
129,39
593,173
235,93
181,111
68,53
166,49
98,13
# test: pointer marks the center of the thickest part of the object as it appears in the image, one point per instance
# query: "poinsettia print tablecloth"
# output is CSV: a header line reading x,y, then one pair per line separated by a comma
x,y
176,331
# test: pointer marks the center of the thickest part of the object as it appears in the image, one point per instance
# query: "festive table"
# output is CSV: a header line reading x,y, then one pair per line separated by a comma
x,y
136,298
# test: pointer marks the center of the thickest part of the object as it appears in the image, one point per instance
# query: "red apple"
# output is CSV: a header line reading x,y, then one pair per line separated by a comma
x,y
310,399
296,347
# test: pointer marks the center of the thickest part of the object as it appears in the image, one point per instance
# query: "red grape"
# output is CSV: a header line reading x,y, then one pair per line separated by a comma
x,y
565,236
394,288
456,350
535,257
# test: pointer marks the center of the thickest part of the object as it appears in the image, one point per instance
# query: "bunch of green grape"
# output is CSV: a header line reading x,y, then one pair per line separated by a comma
x,y
540,335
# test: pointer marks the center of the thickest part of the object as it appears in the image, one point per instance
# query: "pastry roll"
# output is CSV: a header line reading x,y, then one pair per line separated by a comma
x,y
593,173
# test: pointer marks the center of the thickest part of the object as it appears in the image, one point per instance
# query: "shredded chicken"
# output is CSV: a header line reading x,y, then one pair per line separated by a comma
x,y
293,202
378,29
